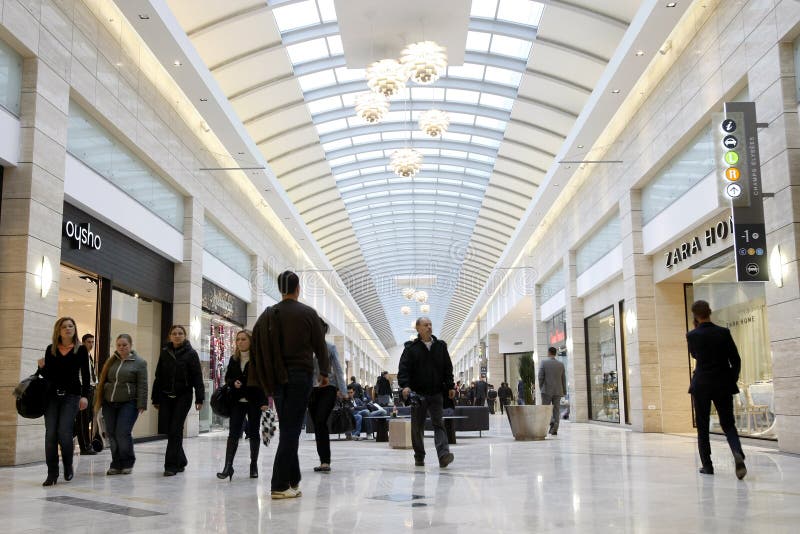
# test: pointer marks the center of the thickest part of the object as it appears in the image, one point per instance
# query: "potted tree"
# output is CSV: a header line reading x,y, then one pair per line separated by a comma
x,y
528,421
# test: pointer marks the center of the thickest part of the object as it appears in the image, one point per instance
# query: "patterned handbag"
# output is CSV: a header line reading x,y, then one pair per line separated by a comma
x,y
269,424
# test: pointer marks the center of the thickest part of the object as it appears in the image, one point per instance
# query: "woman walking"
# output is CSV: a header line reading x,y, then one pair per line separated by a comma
x,y
122,395
321,402
64,359
177,373
246,401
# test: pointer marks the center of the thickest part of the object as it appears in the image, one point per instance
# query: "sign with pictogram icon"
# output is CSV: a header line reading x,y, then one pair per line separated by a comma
x,y
739,171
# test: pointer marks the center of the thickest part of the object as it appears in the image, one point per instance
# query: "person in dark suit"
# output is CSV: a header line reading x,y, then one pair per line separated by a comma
x,y
714,380
553,386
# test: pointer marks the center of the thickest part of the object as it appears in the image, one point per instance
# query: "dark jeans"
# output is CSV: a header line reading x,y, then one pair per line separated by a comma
x,y
59,419
320,406
491,404
171,418
433,405
240,410
555,419
480,401
119,418
723,401
291,400
503,403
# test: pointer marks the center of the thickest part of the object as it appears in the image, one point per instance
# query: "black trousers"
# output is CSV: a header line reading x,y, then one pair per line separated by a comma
x,y
723,401
171,418
240,410
320,406
83,428
503,403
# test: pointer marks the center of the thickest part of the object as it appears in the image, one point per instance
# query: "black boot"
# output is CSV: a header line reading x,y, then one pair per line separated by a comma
x,y
230,452
255,444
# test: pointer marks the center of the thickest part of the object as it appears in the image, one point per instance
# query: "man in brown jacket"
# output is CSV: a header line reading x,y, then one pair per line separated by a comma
x,y
286,339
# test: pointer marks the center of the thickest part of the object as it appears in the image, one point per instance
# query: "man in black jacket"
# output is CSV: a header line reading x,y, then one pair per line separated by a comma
x,y
425,368
714,380
383,390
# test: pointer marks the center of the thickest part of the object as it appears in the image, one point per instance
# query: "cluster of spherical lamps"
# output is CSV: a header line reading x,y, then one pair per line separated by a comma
x,y
424,63
409,293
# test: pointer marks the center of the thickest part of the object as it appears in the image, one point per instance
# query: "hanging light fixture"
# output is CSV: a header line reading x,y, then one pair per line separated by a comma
x,y
434,122
371,107
421,296
387,77
405,162
425,61
408,293
425,308
405,310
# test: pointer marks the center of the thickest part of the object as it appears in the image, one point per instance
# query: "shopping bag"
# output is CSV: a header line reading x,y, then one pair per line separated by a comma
x,y
269,424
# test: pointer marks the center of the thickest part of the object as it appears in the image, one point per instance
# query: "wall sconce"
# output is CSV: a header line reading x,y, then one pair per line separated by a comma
x,y
776,266
194,328
630,321
44,276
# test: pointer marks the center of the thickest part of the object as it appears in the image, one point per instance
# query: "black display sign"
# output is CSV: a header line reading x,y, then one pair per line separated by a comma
x,y
219,302
740,184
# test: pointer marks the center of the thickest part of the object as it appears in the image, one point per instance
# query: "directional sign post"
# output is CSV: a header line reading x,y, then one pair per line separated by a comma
x,y
739,172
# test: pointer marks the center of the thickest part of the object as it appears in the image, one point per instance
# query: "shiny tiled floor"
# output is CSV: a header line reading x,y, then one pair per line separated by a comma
x,y
589,479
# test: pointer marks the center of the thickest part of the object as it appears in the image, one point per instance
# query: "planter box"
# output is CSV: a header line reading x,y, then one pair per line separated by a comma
x,y
529,422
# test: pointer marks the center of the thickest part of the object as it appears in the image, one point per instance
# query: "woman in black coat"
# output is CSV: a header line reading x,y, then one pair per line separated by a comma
x,y
246,401
177,373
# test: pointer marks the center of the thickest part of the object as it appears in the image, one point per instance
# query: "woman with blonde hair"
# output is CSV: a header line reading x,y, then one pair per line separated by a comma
x,y
64,360
122,395
246,401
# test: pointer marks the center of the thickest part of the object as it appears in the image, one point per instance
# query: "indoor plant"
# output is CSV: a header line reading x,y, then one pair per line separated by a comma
x,y
528,421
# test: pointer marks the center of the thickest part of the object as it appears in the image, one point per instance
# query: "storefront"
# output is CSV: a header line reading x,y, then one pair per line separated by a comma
x,y
601,366
224,315
111,285
556,332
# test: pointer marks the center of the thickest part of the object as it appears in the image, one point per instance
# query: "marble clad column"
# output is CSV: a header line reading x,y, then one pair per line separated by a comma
x,y
772,87
539,340
33,198
576,344
338,341
644,373
188,295
495,366
258,302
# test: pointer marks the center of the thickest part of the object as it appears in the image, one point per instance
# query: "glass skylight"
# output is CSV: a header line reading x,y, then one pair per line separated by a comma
x,y
483,8
293,16
520,11
478,41
316,80
307,51
510,46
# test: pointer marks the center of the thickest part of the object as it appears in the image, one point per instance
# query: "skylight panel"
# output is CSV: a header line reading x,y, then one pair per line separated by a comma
x,y
463,96
335,45
476,172
457,169
429,151
349,188
323,78
324,104
461,118
349,99
457,137
469,71
344,160
344,75
330,126
396,116
427,93
478,41
369,138
495,101
430,167
295,16
503,76
510,46
492,124
335,145
396,136
485,141
355,122
373,170
454,154
520,11
372,154
421,136
327,10
346,175
481,158
307,51
483,9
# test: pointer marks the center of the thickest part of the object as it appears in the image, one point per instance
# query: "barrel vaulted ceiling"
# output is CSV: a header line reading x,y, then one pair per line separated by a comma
x,y
527,73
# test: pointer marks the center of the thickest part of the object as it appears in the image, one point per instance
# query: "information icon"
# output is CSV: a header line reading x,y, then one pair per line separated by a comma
x,y
729,125
733,190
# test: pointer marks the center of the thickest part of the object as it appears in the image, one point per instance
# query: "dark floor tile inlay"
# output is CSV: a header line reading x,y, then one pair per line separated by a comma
x,y
102,506
398,497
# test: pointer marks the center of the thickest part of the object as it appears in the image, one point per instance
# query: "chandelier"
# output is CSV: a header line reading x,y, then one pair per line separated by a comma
x,y
371,107
421,296
405,162
426,61
405,310
387,77
434,122
425,308
408,293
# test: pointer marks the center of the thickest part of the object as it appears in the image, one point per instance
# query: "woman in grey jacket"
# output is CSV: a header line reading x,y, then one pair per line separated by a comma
x,y
122,395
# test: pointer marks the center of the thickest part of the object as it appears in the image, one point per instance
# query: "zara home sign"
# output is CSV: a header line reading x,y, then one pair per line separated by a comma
x,y
717,234
81,235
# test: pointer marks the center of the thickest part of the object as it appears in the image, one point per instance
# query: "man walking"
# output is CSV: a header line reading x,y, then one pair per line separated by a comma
x,y
383,390
714,380
481,389
83,421
426,369
553,385
505,394
286,338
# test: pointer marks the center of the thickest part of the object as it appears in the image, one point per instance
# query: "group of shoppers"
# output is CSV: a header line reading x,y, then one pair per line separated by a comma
x,y
120,396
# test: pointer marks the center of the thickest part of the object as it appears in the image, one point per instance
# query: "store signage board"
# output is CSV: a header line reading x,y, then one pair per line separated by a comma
x,y
739,178
218,301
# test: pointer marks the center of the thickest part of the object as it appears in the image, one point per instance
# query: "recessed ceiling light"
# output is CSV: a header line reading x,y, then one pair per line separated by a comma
x,y
615,91
203,100
177,63
144,17
580,146
640,52
672,4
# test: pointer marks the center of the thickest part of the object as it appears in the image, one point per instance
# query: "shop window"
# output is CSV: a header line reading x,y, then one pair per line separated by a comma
x,y
742,308
225,249
99,150
556,331
10,79
78,298
552,284
601,366
601,242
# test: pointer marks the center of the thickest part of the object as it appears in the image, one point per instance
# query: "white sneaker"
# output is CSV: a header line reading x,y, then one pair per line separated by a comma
x,y
290,493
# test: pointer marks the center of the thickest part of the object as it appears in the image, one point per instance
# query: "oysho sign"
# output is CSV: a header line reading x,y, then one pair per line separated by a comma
x,y
81,235
684,251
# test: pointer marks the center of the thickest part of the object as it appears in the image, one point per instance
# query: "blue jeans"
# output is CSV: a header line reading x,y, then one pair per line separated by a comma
x,y
59,419
119,418
359,417
291,400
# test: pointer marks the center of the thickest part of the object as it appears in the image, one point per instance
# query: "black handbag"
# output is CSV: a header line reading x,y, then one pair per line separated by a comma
x,y
221,401
31,396
341,420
